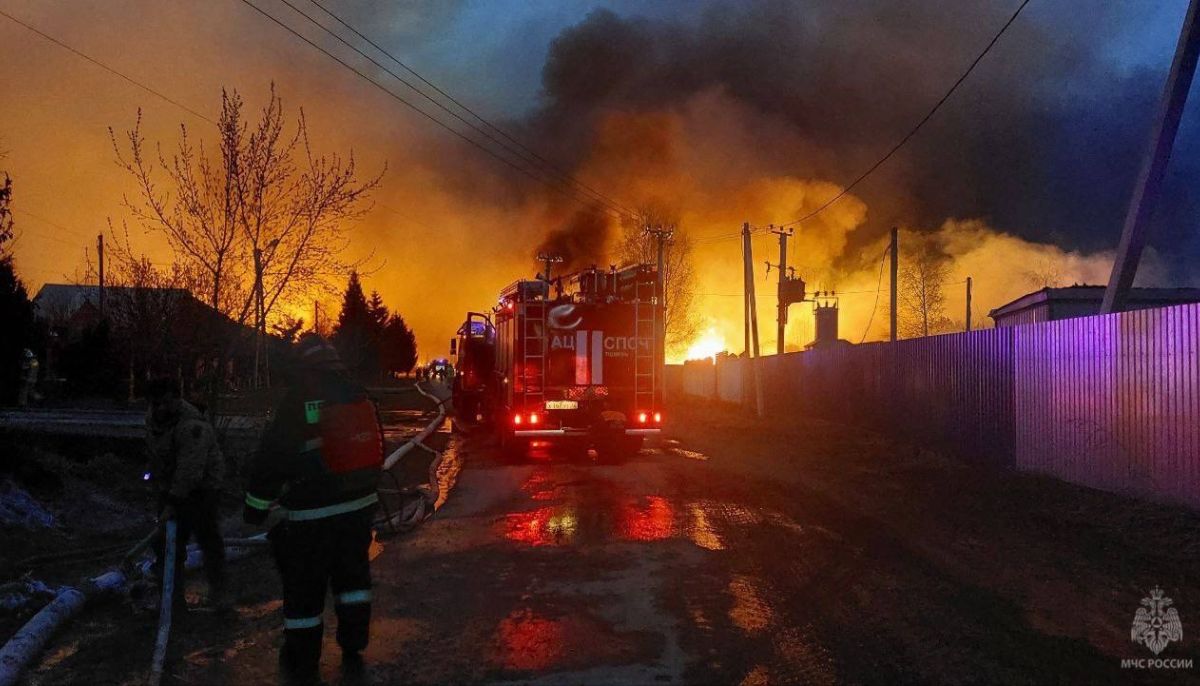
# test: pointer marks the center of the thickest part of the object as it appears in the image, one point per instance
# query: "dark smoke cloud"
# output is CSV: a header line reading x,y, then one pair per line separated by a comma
x,y
581,241
1043,141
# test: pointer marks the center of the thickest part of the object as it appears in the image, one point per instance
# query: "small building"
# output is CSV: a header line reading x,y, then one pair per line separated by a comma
x,y
1052,304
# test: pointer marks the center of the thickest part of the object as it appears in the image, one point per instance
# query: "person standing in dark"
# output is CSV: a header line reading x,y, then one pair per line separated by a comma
x,y
320,459
186,468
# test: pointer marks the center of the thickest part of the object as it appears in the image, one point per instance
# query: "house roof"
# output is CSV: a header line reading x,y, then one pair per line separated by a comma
x,y
1088,293
64,300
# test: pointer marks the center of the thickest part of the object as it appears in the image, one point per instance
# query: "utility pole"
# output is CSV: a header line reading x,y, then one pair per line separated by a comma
x,y
258,313
781,316
549,260
100,260
747,286
661,236
894,249
968,304
1149,183
752,352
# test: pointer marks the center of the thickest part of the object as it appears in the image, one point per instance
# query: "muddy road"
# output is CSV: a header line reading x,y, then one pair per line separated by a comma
x,y
735,552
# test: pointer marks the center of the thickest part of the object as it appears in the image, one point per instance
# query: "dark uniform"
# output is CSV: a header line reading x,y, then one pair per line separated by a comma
x,y
186,467
321,460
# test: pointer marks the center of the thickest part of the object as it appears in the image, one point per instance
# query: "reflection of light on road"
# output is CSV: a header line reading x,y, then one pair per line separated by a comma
x,y
527,642
653,522
759,676
749,612
375,548
545,526
700,530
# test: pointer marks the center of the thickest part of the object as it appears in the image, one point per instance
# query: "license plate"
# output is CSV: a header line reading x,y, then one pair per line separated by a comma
x,y
562,405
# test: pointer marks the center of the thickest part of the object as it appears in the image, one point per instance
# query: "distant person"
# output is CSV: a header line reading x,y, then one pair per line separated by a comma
x,y
186,468
320,459
29,378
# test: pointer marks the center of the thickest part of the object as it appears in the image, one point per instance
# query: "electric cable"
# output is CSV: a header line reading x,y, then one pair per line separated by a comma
x,y
532,153
912,132
583,200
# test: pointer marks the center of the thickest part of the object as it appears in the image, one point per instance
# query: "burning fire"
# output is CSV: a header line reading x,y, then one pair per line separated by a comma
x,y
709,344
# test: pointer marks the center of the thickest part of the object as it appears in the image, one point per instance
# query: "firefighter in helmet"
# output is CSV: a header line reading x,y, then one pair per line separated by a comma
x,y
320,460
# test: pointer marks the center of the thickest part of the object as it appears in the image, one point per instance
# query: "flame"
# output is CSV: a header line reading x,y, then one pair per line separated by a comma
x,y
710,343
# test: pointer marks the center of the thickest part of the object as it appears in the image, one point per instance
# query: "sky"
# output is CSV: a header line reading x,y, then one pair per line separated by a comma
x,y
722,112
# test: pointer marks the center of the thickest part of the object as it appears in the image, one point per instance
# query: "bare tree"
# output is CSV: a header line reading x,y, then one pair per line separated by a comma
x,y
1046,273
924,270
263,219
637,246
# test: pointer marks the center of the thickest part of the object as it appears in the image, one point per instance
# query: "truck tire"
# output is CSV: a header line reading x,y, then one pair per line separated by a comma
x,y
512,449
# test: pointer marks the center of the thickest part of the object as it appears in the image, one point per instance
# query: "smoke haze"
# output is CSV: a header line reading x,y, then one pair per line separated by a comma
x,y
721,113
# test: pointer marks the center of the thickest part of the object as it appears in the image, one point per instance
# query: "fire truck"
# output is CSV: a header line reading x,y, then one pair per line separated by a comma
x,y
575,362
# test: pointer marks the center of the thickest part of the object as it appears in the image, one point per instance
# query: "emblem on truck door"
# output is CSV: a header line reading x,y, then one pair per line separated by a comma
x,y
563,317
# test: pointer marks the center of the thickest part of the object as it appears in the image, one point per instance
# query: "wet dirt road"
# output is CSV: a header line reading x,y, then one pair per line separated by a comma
x,y
746,554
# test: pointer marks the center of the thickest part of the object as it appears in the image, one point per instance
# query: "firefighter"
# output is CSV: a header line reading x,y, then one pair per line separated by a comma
x,y
186,467
320,459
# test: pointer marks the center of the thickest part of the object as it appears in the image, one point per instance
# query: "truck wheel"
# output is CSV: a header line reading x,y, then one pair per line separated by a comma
x,y
512,449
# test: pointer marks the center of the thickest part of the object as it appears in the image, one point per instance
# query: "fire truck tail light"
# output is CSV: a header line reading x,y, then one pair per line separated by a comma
x,y
642,417
658,417
534,418
517,419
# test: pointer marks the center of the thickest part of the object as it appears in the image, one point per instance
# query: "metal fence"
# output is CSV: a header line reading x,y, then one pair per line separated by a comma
x,y
1111,401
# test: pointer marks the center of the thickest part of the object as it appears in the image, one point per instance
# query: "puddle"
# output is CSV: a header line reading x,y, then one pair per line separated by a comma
x,y
526,641
749,612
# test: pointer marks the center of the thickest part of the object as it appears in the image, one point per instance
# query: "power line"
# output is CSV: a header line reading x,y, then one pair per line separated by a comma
x,y
532,153
566,192
912,132
878,288
107,68
418,91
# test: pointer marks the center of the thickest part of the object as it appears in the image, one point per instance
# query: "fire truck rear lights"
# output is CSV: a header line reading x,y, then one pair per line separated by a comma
x,y
642,417
658,417
534,418
517,419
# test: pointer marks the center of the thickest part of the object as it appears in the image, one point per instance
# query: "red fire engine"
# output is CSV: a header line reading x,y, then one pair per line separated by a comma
x,y
581,366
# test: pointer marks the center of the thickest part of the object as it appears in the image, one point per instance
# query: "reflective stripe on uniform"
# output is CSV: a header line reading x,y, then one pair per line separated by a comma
x,y
332,510
257,503
314,444
353,597
291,624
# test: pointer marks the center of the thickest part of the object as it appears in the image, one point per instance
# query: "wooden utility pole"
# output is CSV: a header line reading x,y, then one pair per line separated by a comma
x,y
1149,183
968,304
894,250
752,351
100,261
258,315
781,315
747,287
549,260
661,236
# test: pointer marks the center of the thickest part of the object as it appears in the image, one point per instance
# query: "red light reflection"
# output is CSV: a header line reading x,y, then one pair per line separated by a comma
x,y
653,522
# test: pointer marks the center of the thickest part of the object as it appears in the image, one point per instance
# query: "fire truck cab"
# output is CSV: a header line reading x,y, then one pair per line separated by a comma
x,y
580,366
474,350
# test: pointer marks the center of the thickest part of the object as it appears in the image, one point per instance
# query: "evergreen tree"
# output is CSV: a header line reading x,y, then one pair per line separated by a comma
x,y
16,312
354,334
399,348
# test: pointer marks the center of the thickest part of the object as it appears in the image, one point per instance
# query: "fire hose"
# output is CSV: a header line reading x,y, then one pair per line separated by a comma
x,y
165,604
32,637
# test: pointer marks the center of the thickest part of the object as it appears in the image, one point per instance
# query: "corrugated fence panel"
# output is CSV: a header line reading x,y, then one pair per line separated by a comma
x,y
1111,401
